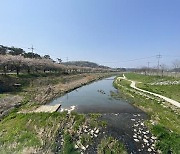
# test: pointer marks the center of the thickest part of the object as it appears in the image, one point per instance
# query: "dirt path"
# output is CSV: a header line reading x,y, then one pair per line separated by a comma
x,y
133,85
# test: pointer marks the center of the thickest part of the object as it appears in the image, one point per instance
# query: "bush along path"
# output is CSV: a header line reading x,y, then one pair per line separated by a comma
x,y
163,123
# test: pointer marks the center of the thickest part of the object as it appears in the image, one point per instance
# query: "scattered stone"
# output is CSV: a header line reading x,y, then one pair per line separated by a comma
x,y
142,124
92,132
97,131
76,147
85,131
136,125
136,140
154,138
87,146
135,136
146,137
83,148
149,149
146,141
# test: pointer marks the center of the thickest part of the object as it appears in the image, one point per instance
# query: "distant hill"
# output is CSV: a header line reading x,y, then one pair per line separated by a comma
x,y
85,64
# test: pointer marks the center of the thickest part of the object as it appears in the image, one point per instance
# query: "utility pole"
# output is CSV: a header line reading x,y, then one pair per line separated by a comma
x,y
158,57
67,59
148,67
32,49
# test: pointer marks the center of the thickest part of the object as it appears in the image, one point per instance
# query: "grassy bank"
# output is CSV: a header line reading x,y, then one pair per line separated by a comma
x,y
47,132
157,84
110,145
54,133
38,89
164,120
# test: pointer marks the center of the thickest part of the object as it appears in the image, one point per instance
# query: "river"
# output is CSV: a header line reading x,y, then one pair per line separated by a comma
x,y
125,122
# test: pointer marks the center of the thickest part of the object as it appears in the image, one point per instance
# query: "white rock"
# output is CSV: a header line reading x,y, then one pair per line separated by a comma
x,y
135,136
76,147
136,125
142,124
146,136
136,140
97,131
87,146
153,145
154,138
85,131
149,149
146,141
83,148
139,137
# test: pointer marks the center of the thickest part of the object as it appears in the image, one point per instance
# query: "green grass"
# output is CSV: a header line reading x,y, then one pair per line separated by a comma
x,y
68,147
3,95
171,91
109,145
79,120
38,131
146,78
86,139
28,130
169,141
166,120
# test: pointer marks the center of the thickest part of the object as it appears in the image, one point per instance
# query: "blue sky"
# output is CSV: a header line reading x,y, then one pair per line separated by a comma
x,y
108,32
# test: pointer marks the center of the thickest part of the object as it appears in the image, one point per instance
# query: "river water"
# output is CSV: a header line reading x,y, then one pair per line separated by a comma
x,y
96,97
124,120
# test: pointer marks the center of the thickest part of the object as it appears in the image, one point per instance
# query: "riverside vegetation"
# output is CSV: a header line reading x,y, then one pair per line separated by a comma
x,y
24,132
164,121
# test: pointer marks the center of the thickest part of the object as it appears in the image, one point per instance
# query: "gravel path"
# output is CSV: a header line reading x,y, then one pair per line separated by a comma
x,y
133,85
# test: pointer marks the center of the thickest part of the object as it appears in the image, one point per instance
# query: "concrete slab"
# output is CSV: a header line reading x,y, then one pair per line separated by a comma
x,y
48,108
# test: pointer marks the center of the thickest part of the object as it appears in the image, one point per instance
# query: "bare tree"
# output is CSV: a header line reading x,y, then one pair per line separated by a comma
x,y
176,66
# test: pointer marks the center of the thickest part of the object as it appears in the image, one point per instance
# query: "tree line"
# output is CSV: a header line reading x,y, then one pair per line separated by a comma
x,y
17,60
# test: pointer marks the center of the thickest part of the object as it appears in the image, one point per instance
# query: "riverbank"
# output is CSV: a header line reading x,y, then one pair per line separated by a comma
x,y
164,118
50,132
36,90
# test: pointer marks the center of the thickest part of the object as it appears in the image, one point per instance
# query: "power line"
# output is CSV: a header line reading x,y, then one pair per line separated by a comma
x,y
131,60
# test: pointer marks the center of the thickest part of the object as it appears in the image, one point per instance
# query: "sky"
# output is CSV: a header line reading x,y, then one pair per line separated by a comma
x,y
116,33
